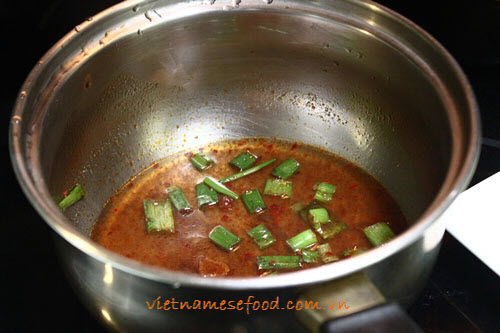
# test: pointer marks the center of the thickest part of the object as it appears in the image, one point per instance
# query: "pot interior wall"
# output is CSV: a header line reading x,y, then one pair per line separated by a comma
x,y
182,83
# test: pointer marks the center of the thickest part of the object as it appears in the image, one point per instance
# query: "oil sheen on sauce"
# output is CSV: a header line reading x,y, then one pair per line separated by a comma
x,y
359,201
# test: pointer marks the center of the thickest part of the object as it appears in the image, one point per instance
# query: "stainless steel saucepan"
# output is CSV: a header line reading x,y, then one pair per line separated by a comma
x,y
145,79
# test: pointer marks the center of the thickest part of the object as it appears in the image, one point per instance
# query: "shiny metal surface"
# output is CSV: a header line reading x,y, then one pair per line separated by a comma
x,y
356,288
145,79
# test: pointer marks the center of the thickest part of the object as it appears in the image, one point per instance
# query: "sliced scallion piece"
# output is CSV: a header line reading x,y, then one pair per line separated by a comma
x,y
158,215
179,200
278,187
354,251
244,160
253,201
247,171
309,256
262,236
304,212
378,233
286,169
205,195
325,253
278,262
328,230
303,240
76,194
224,238
201,161
319,215
219,187
324,192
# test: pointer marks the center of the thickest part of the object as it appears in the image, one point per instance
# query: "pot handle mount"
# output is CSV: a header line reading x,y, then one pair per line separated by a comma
x,y
367,310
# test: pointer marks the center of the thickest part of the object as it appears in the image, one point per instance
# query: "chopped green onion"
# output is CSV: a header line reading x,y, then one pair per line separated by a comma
x,y
201,161
219,187
319,215
253,201
286,169
278,187
354,251
278,262
324,192
378,233
309,256
304,212
303,240
179,200
325,253
244,160
328,230
262,236
205,195
74,195
158,215
247,171
224,238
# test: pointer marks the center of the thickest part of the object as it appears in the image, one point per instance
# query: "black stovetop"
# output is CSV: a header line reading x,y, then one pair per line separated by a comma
x,y
462,294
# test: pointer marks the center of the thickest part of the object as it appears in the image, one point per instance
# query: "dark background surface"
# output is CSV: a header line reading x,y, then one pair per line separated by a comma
x,y
463,295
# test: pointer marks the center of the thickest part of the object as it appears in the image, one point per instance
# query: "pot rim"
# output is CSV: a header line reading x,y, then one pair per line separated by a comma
x,y
454,183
